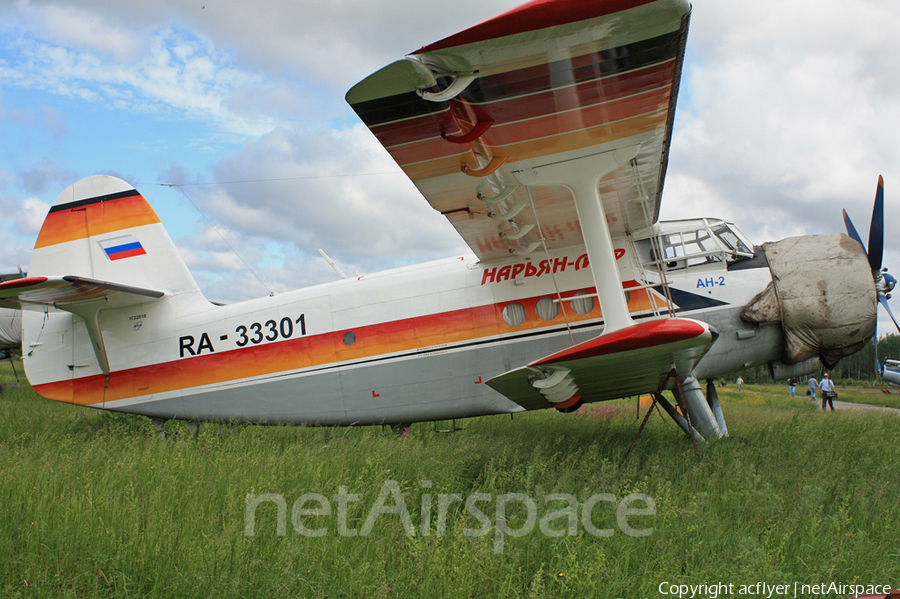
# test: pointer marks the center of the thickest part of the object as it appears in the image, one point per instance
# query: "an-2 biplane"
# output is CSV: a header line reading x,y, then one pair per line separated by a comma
x,y
542,135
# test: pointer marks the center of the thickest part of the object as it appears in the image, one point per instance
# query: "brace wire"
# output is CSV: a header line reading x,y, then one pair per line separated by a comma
x,y
562,304
278,179
213,227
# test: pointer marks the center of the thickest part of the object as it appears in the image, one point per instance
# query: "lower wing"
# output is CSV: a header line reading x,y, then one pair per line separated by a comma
x,y
634,360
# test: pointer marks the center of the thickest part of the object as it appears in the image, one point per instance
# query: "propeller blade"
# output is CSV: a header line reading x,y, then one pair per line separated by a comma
x,y
876,229
851,230
883,301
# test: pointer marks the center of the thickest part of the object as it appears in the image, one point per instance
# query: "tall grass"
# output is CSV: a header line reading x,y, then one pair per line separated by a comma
x,y
94,504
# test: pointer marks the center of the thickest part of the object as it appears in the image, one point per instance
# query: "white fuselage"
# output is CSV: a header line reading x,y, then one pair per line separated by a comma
x,y
410,344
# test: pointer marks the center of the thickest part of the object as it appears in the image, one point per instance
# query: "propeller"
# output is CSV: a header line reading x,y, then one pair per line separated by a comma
x,y
884,282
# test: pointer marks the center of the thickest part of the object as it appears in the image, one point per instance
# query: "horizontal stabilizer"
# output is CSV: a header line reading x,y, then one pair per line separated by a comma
x,y
81,296
630,361
63,291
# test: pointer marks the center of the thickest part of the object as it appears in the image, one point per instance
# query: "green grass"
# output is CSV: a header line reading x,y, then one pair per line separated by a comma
x,y
96,505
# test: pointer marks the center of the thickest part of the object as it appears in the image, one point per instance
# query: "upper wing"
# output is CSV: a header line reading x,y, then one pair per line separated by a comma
x,y
550,81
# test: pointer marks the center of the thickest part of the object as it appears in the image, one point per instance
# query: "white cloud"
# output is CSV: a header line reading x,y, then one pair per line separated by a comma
x,y
295,192
174,74
31,215
78,28
334,43
790,113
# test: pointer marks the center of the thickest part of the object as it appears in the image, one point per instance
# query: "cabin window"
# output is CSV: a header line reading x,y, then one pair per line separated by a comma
x,y
546,308
582,303
514,314
690,248
349,338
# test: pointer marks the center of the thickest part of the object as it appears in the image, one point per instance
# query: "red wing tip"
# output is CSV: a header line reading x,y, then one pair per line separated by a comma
x,y
880,181
638,336
26,282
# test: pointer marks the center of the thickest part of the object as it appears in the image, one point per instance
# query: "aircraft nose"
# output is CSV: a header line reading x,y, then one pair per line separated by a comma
x,y
823,295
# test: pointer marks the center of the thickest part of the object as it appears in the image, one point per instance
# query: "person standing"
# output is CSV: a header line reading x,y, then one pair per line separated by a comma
x,y
792,385
813,385
828,392
740,382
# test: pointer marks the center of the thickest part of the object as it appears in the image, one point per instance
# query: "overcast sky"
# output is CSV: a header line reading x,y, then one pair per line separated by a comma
x,y
789,111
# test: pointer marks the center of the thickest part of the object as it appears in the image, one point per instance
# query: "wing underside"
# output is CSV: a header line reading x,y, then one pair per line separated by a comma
x,y
644,358
548,82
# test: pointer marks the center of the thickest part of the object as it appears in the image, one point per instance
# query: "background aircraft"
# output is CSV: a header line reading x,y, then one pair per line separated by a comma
x,y
890,372
10,322
543,137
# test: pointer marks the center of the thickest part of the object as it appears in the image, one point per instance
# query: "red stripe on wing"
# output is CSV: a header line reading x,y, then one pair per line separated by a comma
x,y
26,282
539,14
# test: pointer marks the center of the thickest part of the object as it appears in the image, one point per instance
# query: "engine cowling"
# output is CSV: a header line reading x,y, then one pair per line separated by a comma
x,y
822,293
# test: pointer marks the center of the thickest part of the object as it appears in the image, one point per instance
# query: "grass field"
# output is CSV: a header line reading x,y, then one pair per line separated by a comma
x,y
96,505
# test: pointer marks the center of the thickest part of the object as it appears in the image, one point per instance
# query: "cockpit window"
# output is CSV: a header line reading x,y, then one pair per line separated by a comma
x,y
690,248
689,243
731,240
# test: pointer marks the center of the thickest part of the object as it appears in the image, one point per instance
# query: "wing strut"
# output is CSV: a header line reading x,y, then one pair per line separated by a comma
x,y
582,177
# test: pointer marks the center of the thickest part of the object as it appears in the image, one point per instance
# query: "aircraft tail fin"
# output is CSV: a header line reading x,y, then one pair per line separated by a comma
x,y
101,252
101,228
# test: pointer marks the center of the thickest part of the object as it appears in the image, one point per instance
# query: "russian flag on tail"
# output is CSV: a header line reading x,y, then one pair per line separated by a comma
x,y
124,246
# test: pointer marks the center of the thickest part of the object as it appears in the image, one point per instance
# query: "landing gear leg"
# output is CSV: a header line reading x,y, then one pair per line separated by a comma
x,y
678,418
713,399
699,410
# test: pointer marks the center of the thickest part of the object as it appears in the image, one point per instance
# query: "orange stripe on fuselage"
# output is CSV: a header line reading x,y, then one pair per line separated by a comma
x,y
372,341
95,219
285,356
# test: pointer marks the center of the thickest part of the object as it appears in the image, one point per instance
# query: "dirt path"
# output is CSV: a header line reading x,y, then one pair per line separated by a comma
x,y
861,407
